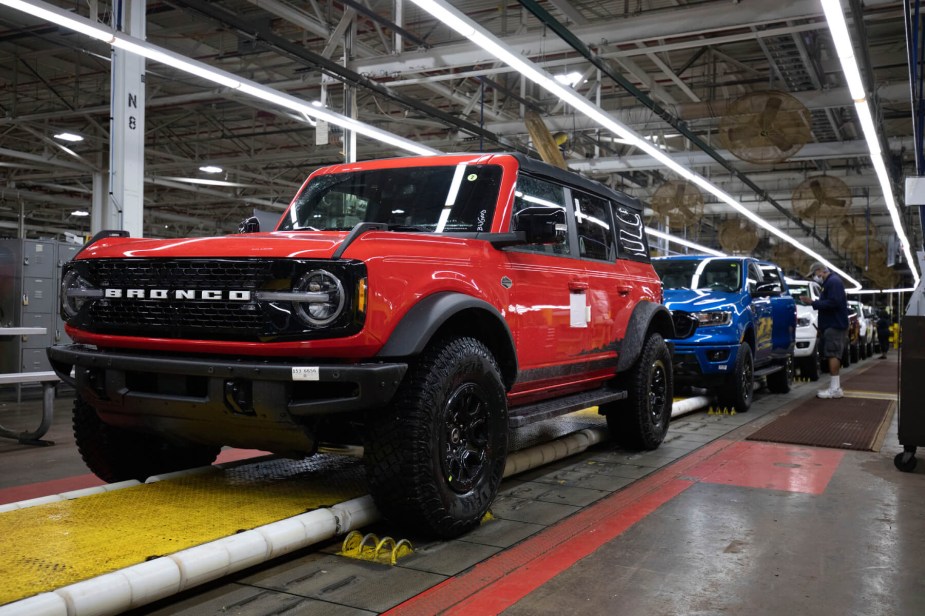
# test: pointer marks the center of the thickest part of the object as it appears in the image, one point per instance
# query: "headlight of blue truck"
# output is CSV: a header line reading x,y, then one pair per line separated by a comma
x,y
711,318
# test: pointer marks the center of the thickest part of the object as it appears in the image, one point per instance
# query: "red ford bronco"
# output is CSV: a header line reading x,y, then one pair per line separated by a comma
x,y
419,307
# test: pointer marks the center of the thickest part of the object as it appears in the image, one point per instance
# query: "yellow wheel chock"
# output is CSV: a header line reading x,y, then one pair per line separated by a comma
x,y
369,547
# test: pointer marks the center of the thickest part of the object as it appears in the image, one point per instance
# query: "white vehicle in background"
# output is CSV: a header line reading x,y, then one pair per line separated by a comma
x,y
872,341
866,336
806,355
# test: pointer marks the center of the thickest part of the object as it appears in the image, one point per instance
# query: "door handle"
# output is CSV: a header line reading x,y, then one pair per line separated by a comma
x,y
624,289
577,286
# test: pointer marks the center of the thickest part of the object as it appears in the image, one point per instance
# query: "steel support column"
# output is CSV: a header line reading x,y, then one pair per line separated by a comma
x,y
125,207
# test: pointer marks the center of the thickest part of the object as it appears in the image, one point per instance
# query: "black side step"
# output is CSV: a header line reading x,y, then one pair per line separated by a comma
x,y
523,415
769,370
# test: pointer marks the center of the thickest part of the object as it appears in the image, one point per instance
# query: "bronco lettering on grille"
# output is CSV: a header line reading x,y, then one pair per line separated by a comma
x,y
204,294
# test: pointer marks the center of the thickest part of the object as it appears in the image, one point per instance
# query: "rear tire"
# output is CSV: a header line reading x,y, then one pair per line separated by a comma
x,y
641,420
116,454
781,382
739,389
434,458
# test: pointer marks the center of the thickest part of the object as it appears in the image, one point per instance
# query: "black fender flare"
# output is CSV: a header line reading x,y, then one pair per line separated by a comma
x,y
419,325
646,317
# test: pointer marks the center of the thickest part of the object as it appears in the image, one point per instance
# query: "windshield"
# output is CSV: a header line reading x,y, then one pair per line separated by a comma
x,y
799,289
446,199
707,274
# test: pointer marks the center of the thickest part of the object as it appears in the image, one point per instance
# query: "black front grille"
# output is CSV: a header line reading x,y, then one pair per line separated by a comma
x,y
171,316
228,317
242,274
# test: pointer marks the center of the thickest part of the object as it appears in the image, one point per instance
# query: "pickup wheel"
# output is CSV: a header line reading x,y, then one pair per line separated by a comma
x,y
434,458
739,388
641,420
855,353
115,454
780,382
810,367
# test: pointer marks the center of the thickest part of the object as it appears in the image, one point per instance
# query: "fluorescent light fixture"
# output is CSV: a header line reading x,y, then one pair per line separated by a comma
x,y
684,242
838,27
174,60
204,71
80,213
66,136
211,169
569,79
878,291
445,12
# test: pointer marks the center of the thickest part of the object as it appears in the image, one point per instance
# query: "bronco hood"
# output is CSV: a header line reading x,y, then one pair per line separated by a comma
x,y
292,245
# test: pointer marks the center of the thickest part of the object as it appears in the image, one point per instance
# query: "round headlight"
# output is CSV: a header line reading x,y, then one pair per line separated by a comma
x,y
324,298
75,291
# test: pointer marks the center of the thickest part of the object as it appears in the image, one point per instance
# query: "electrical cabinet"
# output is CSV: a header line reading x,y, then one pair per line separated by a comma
x,y
30,273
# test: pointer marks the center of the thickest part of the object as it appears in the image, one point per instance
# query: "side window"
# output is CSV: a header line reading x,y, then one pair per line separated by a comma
x,y
631,234
595,228
755,277
534,193
772,277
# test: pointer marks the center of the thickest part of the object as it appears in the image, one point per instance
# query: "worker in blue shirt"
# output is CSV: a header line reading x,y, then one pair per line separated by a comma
x,y
833,322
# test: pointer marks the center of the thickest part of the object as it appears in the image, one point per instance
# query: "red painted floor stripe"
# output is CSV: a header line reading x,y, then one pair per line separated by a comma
x,y
233,455
497,597
46,488
497,583
78,482
771,466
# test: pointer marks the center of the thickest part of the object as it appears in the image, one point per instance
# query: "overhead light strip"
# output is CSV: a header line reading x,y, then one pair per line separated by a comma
x,y
683,242
838,27
450,16
879,291
225,79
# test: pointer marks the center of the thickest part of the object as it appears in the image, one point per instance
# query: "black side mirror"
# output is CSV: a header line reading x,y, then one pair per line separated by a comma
x,y
542,225
249,225
685,324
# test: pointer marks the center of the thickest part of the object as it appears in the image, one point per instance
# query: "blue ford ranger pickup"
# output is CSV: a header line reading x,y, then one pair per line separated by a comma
x,y
747,324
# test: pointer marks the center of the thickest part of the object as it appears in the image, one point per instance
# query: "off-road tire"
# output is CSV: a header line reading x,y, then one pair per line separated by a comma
x,y
739,389
780,382
116,454
810,367
435,457
641,420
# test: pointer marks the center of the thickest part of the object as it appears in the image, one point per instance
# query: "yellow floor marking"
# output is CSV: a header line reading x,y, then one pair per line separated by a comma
x,y
53,545
871,395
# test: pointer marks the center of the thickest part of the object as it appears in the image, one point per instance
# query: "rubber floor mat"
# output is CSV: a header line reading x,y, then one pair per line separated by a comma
x,y
846,423
880,378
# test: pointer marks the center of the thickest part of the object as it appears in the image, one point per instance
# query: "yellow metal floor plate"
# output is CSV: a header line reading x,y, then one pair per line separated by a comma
x,y
50,546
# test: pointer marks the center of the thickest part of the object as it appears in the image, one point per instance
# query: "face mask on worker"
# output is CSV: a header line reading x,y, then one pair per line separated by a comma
x,y
818,279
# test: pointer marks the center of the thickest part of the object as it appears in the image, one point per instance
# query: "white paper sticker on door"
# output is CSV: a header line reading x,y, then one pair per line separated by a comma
x,y
305,373
578,310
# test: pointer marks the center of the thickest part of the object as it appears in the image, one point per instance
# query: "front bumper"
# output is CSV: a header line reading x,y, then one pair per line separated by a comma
x,y
258,404
805,344
697,362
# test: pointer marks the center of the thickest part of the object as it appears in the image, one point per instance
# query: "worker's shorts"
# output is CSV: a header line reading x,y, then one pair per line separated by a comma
x,y
833,342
